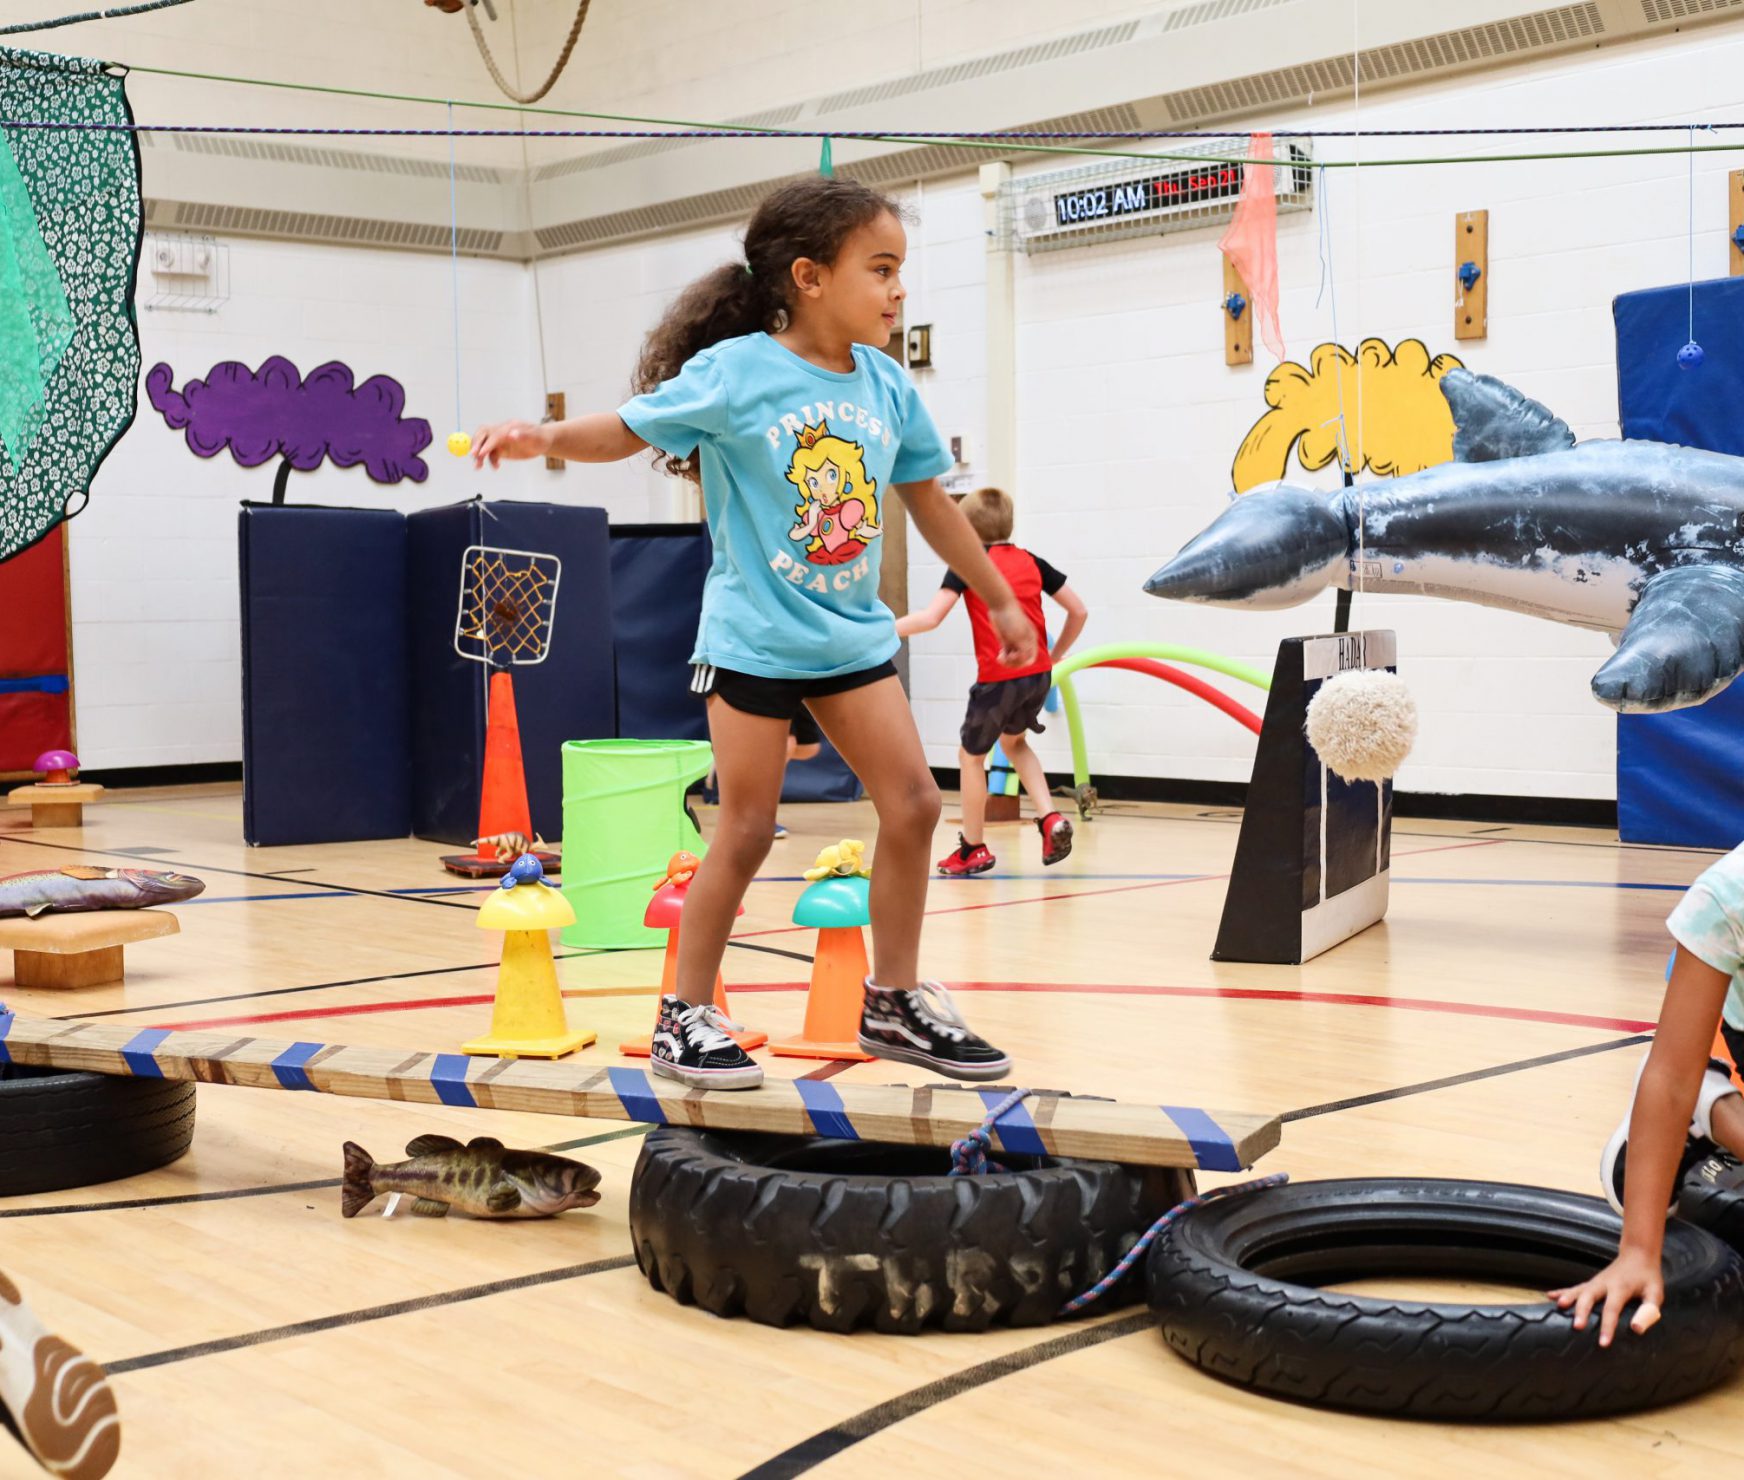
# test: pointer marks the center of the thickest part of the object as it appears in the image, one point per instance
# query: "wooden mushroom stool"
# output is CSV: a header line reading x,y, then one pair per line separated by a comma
x,y
58,800
664,912
78,949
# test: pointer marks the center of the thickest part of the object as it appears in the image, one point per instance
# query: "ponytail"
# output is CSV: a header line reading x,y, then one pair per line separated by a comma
x,y
809,217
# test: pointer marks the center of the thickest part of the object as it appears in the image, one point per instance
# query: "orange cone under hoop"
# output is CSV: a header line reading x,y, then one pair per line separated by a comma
x,y
502,800
664,912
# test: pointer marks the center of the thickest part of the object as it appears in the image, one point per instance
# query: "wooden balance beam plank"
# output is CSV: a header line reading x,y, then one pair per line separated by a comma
x,y
1051,1124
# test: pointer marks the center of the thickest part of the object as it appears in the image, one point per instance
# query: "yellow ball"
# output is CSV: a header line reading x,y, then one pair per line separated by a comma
x,y
459,443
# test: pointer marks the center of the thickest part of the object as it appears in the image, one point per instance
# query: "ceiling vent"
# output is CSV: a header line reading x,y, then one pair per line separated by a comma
x,y
1498,41
1658,12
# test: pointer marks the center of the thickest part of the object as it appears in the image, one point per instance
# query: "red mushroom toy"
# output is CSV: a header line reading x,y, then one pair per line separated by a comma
x,y
664,912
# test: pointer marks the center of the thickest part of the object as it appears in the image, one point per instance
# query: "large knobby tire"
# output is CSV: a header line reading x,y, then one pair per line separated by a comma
x,y
1711,1196
843,1234
1233,1286
61,1130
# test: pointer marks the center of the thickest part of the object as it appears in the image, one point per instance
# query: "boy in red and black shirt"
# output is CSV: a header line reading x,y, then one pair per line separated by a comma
x,y
1004,702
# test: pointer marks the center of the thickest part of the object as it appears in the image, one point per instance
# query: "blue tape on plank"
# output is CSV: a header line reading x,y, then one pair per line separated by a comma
x,y
138,1050
640,1102
47,683
823,1102
1212,1148
449,1077
288,1066
5,1028
1016,1131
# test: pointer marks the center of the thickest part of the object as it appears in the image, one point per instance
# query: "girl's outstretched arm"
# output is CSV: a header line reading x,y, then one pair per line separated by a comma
x,y
602,437
944,526
1664,1101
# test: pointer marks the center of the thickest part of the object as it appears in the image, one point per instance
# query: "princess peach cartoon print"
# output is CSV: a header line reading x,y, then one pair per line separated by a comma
x,y
794,460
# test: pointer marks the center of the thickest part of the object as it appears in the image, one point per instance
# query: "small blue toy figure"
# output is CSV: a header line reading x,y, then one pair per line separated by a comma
x,y
524,870
1690,356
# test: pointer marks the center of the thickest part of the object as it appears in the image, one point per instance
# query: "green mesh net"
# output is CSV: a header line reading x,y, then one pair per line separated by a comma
x,y
70,221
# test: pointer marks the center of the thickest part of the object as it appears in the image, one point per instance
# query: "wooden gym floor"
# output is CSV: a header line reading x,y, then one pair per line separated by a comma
x,y
1489,1029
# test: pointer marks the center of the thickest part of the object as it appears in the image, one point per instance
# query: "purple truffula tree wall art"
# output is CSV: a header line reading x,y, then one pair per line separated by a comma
x,y
276,412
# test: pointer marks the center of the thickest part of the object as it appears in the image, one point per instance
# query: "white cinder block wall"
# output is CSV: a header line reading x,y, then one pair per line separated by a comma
x,y
156,611
1128,418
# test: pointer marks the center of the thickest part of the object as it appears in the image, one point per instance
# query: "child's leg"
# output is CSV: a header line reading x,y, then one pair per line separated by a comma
x,y
1028,766
1728,1121
873,727
750,756
973,783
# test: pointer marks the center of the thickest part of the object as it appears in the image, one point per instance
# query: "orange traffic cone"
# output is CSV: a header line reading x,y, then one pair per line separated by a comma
x,y
503,812
838,904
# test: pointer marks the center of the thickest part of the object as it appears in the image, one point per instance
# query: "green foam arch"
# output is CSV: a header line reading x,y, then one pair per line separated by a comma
x,y
1114,651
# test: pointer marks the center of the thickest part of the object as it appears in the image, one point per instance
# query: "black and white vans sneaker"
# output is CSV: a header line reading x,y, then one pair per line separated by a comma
x,y
923,1027
691,1045
1716,1085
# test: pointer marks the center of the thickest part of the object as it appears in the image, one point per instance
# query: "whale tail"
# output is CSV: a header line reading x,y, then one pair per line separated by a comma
x,y
1274,547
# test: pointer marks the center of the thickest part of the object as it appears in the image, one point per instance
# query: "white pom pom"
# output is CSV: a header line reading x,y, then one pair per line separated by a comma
x,y
1362,724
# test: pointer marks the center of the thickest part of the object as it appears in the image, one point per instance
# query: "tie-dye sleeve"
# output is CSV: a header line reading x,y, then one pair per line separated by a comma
x,y
1708,929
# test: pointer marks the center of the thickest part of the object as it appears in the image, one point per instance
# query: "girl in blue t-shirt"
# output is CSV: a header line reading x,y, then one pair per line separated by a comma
x,y
766,383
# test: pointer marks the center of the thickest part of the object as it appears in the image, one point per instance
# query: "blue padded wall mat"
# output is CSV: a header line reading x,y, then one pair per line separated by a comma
x,y
1680,776
324,675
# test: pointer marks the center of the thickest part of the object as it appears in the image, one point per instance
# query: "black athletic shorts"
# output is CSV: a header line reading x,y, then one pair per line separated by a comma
x,y
779,698
1007,707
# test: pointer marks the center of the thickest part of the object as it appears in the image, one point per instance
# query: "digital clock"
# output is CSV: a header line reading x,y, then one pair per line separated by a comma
x,y
1085,207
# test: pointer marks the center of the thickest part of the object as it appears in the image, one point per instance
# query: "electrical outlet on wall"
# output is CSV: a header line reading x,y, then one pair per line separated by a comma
x,y
959,450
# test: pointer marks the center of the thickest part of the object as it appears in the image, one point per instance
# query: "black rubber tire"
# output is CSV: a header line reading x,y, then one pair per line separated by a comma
x,y
1230,1287
1711,1196
844,1234
61,1130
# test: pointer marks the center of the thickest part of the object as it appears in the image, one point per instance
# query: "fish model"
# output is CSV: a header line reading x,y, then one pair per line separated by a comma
x,y
78,887
483,1178
1641,540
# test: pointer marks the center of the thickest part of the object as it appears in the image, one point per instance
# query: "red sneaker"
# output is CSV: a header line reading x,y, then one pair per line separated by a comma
x,y
967,859
1056,837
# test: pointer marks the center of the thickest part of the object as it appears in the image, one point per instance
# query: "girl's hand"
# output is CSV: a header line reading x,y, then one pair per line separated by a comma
x,y
1017,638
515,440
1632,1273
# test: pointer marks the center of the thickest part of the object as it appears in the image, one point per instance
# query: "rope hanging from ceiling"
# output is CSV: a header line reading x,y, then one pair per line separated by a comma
x,y
556,72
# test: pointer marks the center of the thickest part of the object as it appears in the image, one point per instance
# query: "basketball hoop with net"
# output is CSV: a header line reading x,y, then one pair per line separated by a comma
x,y
507,601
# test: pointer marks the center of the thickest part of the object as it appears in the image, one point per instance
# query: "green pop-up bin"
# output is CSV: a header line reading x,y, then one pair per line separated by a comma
x,y
623,818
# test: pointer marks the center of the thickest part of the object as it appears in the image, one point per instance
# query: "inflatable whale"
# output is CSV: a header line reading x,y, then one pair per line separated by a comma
x,y
1642,540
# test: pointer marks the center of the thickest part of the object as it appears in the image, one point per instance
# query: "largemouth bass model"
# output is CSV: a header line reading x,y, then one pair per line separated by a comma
x,y
483,1178
80,887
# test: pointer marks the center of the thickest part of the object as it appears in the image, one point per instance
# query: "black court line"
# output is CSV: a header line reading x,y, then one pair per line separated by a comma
x,y
242,873
370,1313
1518,1066
121,1205
809,1453
745,945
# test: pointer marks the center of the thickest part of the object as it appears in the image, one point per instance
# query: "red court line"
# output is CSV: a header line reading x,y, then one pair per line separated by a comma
x,y
1005,904
1230,994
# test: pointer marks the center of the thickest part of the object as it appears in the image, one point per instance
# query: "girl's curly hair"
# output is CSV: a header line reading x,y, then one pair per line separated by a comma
x,y
810,217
